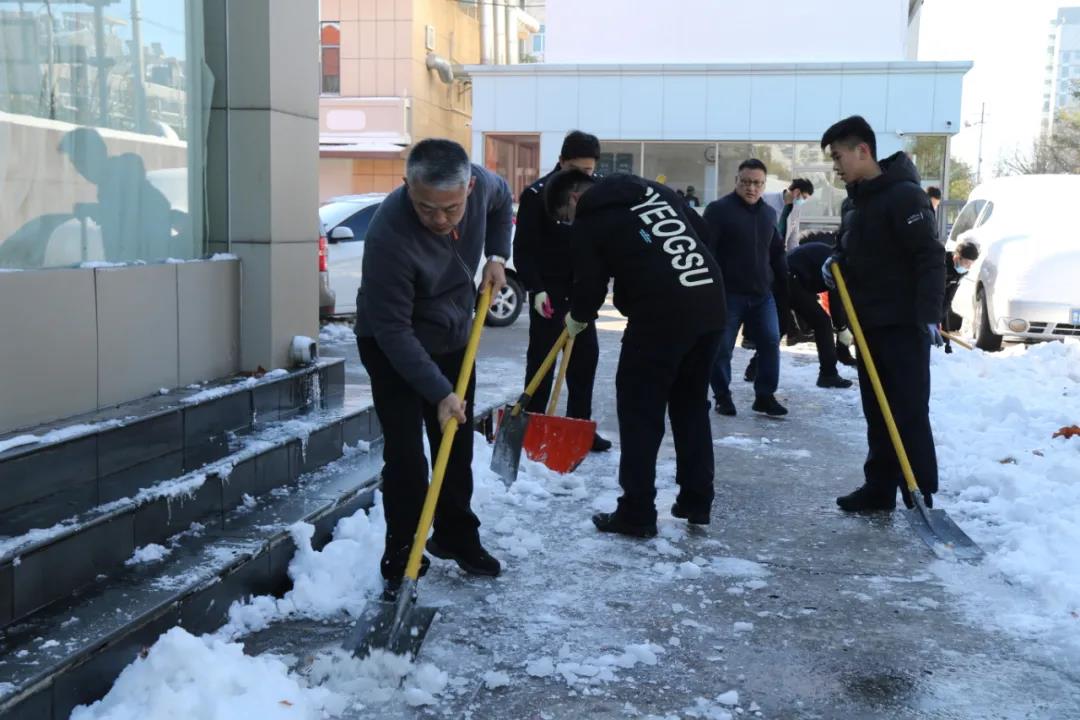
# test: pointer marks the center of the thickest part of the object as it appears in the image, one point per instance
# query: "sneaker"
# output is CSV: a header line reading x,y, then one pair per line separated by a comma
x,y
600,444
751,370
725,406
833,381
612,523
474,560
867,499
694,517
767,404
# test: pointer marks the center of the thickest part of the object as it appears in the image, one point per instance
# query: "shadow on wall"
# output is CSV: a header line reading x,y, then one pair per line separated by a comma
x,y
136,216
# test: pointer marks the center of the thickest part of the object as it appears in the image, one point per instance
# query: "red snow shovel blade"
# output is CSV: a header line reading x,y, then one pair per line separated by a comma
x,y
560,443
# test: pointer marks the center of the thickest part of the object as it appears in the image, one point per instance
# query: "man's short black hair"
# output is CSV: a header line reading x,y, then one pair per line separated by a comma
x,y
826,237
968,250
557,190
578,144
802,185
752,164
934,192
851,131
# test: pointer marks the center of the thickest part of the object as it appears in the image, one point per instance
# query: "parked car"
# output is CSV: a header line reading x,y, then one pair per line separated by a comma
x,y
344,222
1024,284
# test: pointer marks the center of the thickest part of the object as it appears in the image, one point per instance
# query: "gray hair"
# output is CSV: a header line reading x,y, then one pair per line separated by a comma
x,y
438,163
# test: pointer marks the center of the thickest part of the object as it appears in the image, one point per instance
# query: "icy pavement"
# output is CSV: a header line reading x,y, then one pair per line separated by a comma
x,y
782,608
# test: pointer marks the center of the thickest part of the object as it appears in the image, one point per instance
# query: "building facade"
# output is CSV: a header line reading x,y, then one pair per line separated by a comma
x,y
158,164
1061,88
391,75
687,110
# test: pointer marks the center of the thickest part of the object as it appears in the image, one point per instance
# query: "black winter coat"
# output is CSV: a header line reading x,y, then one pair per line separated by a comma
x,y
541,245
747,244
644,235
889,250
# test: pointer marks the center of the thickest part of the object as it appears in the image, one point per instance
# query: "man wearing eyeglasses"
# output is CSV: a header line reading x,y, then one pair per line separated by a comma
x,y
751,254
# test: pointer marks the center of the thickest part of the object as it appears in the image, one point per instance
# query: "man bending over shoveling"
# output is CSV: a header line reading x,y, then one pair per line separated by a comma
x,y
669,287
413,315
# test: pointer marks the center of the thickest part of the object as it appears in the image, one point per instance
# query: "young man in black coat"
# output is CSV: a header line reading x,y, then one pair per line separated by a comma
x,y
804,285
957,263
542,260
893,262
750,251
669,287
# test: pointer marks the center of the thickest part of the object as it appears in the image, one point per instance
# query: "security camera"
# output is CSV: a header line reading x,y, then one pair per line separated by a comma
x,y
899,133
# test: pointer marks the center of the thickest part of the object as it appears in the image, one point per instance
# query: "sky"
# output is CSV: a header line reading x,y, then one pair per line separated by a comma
x,y
1007,42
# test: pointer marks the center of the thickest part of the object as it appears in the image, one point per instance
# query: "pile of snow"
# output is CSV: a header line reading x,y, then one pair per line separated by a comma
x,y
148,554
337,334
1009,484
58,435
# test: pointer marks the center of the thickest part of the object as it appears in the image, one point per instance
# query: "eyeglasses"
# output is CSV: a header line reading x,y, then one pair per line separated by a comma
x,y
751,183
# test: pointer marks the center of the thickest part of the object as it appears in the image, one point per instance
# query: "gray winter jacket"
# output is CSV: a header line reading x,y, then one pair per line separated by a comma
x,y
417,293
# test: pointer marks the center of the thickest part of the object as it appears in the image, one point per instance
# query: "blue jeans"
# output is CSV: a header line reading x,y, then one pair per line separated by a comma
x,y
758,314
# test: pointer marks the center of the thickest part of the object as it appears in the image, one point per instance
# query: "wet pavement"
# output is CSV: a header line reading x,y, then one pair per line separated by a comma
x,y
804,611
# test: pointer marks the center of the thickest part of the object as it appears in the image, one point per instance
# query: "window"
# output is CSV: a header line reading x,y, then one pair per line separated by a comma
x,y
516,158
102,138
688,167
987,211
359,222
330,37
966,219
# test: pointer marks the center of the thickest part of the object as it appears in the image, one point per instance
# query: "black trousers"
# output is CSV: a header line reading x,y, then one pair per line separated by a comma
x,y
902,356
806,306
661,371
404,415
580,375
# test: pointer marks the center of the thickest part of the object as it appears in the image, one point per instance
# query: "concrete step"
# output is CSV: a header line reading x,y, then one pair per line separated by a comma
x,y
71,652
56,471
45,566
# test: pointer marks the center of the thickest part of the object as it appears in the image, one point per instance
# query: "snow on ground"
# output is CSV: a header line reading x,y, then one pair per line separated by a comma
x,y
1012,486
337,334
986,409
53,436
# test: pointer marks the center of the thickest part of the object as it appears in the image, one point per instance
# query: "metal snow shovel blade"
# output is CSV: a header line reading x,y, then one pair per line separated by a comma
x,y
560,443
510,437
400,627
935,527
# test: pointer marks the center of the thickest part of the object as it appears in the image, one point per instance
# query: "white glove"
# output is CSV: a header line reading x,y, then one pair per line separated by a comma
x,y
574,326
542,305
844,337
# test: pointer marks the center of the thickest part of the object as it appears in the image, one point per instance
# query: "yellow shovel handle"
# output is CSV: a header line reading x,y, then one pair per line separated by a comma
x,y
875,380
545,366
427,514
555,391
962,343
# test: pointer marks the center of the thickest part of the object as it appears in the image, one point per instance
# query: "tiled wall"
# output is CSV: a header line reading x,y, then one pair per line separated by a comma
x,y
76,340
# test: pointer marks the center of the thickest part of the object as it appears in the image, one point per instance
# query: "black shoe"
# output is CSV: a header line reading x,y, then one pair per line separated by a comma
x,y
474,560
612,523
392,586
600,444
751,370
833,381
767,404
843,354
868,499
724,406
694,517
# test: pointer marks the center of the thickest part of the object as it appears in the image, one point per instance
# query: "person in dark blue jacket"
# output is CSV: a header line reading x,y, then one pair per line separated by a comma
x,y
750,251
414,309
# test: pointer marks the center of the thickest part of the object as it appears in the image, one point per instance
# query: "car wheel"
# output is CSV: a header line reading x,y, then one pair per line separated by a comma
x,y
506,306
985,338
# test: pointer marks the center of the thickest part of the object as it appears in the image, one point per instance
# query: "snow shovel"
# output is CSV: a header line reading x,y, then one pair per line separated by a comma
x,y
962,343
560,443
399,627
935,527
514,421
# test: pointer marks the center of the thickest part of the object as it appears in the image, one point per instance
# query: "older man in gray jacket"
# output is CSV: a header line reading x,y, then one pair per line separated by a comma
x,y
413,313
